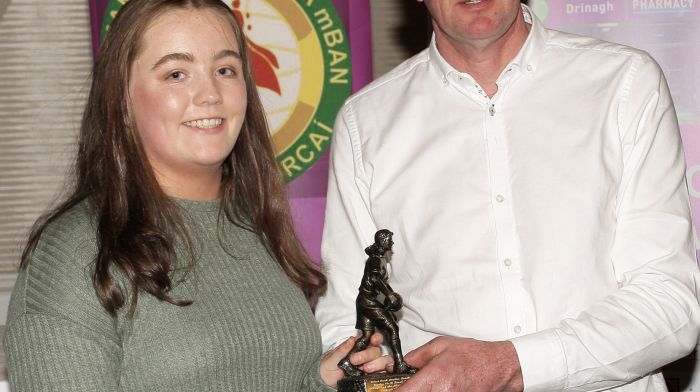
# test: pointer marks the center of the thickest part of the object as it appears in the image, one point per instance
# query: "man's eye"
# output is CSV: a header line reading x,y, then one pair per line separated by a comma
x,y
177,75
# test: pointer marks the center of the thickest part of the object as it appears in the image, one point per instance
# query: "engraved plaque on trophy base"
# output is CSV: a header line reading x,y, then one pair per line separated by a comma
x,y
378,382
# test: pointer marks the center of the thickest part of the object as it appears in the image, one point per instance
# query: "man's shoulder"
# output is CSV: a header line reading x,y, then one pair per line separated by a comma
x,y
563,41
394,80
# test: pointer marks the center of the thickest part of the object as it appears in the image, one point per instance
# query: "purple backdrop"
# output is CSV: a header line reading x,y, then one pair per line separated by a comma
x,y
308,191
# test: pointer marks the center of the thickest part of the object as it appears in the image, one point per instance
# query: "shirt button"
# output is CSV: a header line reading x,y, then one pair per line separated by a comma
x,y
517,329
508,262
530,67
444,80
500,198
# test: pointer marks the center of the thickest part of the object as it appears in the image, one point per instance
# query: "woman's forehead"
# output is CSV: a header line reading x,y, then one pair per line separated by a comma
x,y
186,27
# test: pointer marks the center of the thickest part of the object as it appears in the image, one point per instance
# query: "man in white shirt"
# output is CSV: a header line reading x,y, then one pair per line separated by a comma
x,y
535,184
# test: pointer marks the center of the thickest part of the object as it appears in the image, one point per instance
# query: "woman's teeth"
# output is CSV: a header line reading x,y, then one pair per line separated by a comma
x,y
205,123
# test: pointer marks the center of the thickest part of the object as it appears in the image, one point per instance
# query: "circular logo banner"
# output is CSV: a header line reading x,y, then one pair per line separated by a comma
x,y
301,60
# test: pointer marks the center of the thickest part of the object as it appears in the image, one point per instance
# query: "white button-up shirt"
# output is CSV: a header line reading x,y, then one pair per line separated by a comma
x,y
554,214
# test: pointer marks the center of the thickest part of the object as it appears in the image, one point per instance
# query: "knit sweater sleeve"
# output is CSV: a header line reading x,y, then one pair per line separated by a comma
x,y
58,336
312,380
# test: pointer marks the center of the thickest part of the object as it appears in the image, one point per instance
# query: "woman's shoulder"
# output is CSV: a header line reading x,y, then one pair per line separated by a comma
x,y
73,232
57,279
66,247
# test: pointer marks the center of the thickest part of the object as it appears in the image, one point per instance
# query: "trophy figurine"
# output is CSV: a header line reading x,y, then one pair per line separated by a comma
x,y
373,313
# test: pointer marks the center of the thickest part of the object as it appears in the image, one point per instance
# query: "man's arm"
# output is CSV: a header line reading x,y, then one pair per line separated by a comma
x,y
348,229
654,317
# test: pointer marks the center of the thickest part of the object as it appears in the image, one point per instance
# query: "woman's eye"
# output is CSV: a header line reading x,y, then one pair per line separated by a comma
x,y
177,75
226,71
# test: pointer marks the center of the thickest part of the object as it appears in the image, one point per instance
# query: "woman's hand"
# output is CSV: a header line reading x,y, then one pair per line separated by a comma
x,y
370,360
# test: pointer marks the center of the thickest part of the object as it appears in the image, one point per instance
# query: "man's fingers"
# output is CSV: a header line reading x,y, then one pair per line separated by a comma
x,y
422,355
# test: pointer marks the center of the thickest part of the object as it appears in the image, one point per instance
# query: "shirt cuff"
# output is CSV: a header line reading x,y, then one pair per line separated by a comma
x,y
542,361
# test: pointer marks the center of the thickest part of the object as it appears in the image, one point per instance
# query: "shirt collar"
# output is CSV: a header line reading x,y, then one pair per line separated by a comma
x,y
526,60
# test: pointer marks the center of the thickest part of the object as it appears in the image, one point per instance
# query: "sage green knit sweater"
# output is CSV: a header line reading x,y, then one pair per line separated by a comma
x,y
249,328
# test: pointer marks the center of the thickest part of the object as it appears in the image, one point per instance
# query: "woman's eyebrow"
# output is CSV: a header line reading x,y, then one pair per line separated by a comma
x,y
227,53
173,57
190,58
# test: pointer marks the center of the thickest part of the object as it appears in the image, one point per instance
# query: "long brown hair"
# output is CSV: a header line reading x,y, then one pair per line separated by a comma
x,y
137,223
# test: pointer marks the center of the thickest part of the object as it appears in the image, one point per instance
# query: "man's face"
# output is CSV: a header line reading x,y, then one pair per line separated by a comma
x,y
462,22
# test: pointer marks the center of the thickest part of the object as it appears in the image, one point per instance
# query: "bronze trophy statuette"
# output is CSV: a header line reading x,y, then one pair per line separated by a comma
x,y
375,314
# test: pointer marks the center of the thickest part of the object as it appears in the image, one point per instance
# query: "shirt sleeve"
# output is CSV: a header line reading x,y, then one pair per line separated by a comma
x,y
58,337
348,229
654,317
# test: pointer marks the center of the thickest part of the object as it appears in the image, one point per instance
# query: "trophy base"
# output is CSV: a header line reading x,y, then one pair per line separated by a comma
x,y
379,382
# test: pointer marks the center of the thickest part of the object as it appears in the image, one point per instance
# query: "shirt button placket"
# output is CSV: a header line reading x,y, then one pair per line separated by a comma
x,y
511,274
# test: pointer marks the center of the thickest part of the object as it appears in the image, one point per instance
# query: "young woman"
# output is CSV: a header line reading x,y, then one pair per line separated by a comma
x,y
172,265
